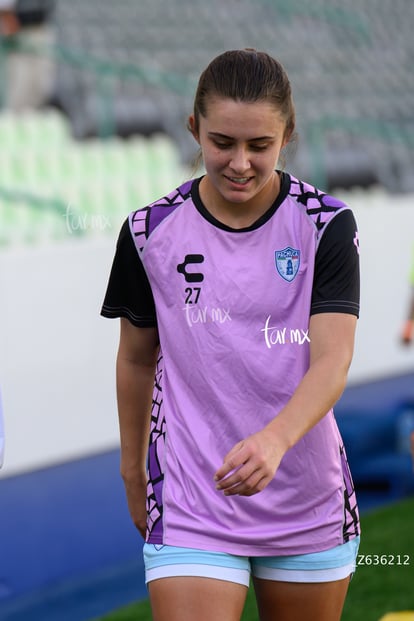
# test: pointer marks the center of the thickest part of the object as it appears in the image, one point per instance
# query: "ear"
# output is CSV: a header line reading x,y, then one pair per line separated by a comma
x,y
286,140
192,127
288,137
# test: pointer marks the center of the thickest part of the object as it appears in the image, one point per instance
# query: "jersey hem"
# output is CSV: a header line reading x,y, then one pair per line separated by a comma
x,y
241,549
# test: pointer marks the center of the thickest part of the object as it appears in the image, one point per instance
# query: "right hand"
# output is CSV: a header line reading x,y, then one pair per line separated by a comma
x,y
136,493
407,332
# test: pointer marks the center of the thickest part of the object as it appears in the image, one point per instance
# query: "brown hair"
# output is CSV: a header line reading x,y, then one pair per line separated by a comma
x,y
247,76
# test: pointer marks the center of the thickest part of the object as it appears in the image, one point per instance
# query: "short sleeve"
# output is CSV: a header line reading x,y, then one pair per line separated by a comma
x,y
129,292
336,285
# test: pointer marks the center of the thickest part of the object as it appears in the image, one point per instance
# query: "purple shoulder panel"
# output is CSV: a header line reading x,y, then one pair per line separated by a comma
x,y
144,221
321,207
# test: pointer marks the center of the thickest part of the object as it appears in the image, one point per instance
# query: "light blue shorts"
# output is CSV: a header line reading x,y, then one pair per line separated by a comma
x,y
162,561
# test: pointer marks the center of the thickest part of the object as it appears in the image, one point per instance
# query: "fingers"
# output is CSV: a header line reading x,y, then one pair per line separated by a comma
x,y
244,471
139,520
243,484
136,499
232,461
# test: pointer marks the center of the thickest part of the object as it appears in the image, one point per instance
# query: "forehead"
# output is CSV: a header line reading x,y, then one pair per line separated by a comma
x,y
227,116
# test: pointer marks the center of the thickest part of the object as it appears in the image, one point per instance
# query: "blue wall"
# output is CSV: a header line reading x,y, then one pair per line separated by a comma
x,y
66,529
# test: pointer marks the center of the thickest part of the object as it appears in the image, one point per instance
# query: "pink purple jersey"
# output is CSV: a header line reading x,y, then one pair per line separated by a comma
x,y
232,309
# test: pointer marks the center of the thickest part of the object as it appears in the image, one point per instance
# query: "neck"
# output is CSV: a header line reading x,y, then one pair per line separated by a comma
x,y
239,215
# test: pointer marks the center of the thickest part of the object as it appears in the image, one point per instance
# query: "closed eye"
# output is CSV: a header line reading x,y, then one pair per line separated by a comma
x,y
259,147
253,147
222,145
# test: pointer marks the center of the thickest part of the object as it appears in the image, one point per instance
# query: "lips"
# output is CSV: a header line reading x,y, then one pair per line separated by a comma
x,y
239,180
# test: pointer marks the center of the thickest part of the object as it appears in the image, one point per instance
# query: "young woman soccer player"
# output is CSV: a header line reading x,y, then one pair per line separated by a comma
x,y
239,293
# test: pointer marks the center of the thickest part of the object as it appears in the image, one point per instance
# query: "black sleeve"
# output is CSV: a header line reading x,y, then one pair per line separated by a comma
x,y
129,292
336,280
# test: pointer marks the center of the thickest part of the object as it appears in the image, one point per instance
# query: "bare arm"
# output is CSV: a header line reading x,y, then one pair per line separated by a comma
x,y
252,463
135,371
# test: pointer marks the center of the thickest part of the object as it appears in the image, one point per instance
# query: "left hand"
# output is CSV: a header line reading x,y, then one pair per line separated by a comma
x,y
250,465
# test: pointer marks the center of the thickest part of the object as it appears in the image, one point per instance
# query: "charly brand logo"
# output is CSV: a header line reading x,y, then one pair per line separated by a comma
x,y
287,262
274,335
190,276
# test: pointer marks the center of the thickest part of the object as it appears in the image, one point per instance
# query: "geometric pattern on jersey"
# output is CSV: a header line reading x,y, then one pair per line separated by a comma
x,y
320,208
351,527
143,223
145,220
319,205
155,456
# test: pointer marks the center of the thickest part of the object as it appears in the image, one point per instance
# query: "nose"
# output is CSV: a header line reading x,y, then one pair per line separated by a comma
x,y
239,160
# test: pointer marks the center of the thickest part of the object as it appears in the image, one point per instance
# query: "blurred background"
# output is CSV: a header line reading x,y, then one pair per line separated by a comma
x,y
94,98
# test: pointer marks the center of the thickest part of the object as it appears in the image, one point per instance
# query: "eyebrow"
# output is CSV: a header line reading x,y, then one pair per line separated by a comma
x,y
258,139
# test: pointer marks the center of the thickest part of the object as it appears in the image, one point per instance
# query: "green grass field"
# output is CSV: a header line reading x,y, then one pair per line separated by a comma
x,y
383,582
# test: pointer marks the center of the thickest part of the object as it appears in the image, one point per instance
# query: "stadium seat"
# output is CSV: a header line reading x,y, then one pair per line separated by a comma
x,y
51,184
350,71
130,69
